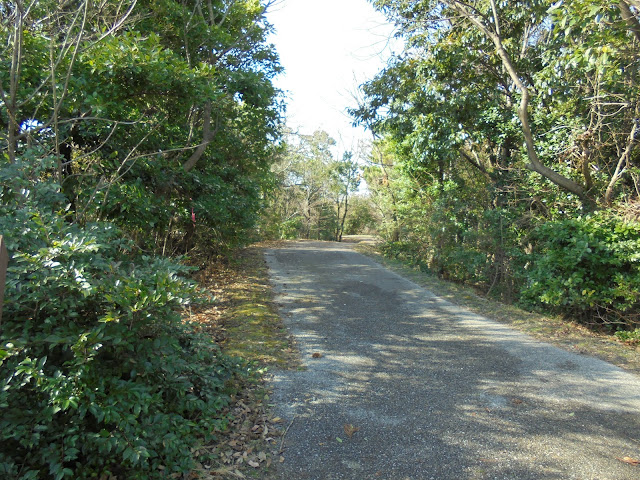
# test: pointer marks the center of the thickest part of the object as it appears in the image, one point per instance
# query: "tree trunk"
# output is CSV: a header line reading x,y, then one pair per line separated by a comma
x,y
623,161
523,114
344,215
11,103
630,18
208,134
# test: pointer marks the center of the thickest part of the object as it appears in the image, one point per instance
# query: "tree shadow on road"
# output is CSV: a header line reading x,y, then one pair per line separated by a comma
x,y
432,394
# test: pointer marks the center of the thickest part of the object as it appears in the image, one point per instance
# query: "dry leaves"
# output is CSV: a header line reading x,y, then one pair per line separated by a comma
x,y
251,437
629,460
350,429
251,442
217,278
316,355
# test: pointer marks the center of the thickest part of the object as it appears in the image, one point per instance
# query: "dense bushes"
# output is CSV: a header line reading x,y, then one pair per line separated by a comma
x,y
128,129
587,268
98,371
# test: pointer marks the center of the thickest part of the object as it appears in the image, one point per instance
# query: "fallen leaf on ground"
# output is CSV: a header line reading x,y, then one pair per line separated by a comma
x,y
226,473
629,460
316,355
350,429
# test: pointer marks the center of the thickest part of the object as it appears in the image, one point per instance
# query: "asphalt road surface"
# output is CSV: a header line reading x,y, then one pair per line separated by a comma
x,y
400,384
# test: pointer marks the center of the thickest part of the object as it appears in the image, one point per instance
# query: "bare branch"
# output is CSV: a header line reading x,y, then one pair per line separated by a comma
x,y
623,161
534,162
118,23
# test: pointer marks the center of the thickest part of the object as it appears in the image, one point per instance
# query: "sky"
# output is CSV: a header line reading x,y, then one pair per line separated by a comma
x,y
328,48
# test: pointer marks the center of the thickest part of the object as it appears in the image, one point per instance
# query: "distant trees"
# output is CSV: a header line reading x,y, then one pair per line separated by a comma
x,y
313,192
345,178
506,126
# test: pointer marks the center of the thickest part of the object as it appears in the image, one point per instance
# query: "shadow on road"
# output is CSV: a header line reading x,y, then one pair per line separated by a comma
x,y
435,392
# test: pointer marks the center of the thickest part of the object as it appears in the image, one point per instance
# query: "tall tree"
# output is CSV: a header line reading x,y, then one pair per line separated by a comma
x,y
511,47
509,122
346,178
153,108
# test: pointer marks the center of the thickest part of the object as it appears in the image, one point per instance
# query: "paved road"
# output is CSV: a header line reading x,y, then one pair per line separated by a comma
x,y
436,392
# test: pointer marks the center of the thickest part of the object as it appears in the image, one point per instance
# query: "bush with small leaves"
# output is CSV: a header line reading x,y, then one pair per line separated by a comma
x,y
99,373
587,268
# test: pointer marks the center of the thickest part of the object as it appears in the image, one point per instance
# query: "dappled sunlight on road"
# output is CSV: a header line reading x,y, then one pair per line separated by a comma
x,y
436,391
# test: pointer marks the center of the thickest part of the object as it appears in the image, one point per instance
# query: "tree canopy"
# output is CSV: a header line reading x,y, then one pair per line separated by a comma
x,y
131,132
169,99
510,126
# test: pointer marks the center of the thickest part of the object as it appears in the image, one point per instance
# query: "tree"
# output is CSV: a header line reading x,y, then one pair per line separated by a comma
x,y
382,184
599,65
314,188
514,48
153,108
503,119
346,179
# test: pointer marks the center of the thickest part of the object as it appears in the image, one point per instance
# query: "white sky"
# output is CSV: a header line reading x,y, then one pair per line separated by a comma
x,y
327,48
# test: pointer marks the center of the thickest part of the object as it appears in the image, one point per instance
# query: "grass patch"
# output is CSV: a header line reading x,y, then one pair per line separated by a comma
x,y
565,334
245,323
247,320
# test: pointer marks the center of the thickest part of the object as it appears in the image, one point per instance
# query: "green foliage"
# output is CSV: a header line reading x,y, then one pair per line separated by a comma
x,y
99,373
409,252
152,108
587,268
312,193
127,129
632,337
459,193
290,229
362,218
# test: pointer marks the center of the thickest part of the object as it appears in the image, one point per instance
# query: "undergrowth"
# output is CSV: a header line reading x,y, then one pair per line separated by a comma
x,y
100,377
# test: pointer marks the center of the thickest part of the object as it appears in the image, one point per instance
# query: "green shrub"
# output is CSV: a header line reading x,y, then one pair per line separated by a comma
x,y
409,252
98,371
465,265
631,337
587,268
290,229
